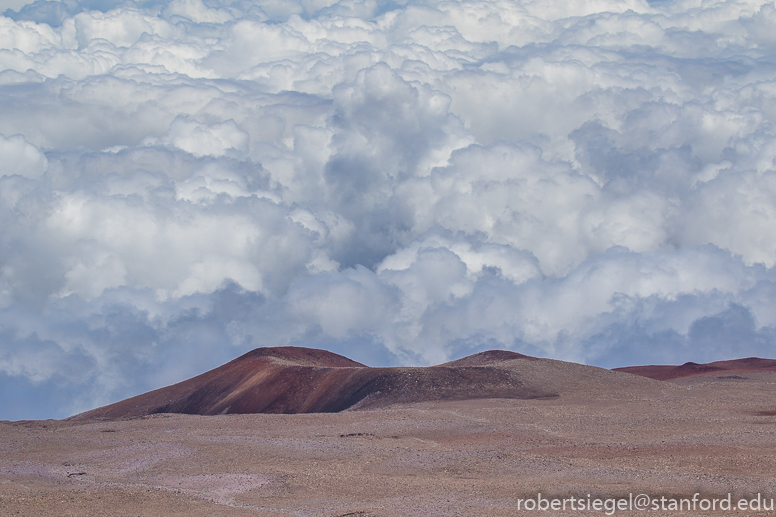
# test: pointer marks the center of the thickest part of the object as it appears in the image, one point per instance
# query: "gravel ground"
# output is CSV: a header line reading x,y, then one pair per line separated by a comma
x,y
708,435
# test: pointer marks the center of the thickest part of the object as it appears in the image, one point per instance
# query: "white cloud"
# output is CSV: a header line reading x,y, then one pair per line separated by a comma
x,y
196,11
409,182
206,140
21,158
120,27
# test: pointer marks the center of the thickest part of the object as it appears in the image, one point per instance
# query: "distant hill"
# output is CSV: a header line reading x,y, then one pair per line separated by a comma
x,y
690,369
303,380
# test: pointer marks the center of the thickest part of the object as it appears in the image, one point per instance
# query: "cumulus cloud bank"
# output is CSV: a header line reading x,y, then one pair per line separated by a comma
x,y
402,182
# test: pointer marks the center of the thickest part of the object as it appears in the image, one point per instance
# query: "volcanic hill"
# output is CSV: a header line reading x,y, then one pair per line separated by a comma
x,y
690,369
301,380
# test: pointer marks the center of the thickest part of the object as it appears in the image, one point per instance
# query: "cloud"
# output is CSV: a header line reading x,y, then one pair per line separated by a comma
x,y
205,140
405,183
21,158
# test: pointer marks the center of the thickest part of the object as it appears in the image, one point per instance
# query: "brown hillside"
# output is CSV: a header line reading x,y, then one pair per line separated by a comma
x,y
301,380
690,369
487,358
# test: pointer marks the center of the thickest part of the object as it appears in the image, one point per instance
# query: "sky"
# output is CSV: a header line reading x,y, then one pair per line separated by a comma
x,y
400,182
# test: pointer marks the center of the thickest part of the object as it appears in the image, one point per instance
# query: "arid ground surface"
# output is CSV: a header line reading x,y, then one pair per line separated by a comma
x,y
607,434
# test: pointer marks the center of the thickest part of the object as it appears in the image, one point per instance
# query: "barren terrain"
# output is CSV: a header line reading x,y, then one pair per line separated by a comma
x,y
690,369
603,433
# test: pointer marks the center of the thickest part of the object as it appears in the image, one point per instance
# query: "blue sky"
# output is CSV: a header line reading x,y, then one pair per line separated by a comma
x,y
399,182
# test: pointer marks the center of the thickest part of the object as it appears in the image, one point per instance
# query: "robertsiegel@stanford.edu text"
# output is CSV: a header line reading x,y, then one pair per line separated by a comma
x,y
644,503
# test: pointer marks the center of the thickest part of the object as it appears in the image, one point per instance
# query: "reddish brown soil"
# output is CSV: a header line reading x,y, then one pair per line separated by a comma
x,y
608,434
690,369
293,380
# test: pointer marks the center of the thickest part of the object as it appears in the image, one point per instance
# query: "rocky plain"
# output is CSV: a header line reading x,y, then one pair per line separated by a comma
x,y
301,432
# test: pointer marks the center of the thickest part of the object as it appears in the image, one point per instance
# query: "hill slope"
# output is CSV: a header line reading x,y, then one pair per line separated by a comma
x,y
301,380
690,369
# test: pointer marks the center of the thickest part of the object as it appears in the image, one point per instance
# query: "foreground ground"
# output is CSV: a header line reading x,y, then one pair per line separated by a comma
x,y
711,435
